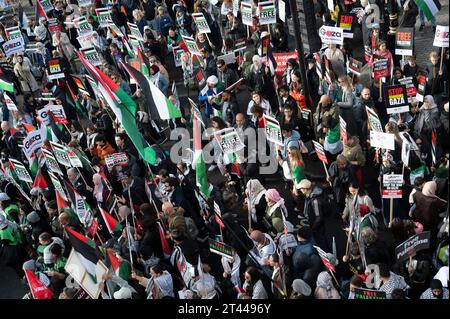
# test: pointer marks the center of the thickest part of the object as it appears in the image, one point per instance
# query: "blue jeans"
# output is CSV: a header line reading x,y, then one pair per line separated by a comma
x,y
422,19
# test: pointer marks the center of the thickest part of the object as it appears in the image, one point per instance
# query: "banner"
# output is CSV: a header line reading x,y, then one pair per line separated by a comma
x,y
116,159
273,130
60,153
92,56
408,82
52,164
247,15
354,66
21,171
267,13
382,140
421,84
219,248
191,45
392,186
134,30
229,140
441,37
331,35
13,46
396,99
320,152
54,69
412,245
104,17
380,69
368,294
57,185
32,142
200,21
404,41
346,22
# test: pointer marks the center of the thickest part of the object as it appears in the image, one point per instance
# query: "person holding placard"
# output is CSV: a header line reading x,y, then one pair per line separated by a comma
x,y
435,75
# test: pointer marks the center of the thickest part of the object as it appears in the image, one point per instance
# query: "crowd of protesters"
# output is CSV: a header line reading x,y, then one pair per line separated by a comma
x,y
297,240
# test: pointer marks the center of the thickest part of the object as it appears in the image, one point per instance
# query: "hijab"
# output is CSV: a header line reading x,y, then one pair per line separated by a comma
x,y
324,282
255,190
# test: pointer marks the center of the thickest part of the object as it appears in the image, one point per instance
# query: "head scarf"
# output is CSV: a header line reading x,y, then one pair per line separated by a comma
x,y
437,284
255,190
429,189
324,281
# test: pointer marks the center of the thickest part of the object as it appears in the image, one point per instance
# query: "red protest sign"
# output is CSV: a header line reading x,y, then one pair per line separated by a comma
x,y
38,289
281,60
380,69
411,90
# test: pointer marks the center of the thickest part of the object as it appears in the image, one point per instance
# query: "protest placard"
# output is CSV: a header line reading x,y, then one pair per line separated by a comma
x,y
331,35
346,21
273,130
396,99
412,245
219,248
202,24
21,171
392,186
54,69
441,37
246,12
369,294
380,69
116,159
382,140
404,41
229,141
267,13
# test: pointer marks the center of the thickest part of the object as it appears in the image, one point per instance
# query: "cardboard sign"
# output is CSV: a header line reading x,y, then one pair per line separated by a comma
x,y
134,30
374,120
177,52
320,152
13,46
281,60
32,142
61,154
54,69
92,56
408,82
82,26
421,84
412,245
368,294
382,140
202,24
58,186
229,58
396,99
392,186
267,13
380,69
191,45
9,103
247,14
354,66
21,171
116,159
273,130
219,248
229,141
404,41
331,35
104,17
86,39
346,21
441,36
76,269
52,164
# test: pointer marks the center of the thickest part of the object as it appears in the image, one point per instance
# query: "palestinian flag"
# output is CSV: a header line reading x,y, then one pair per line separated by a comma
x,y
127,46
40,12
84,247
218,216
6,86
39,181
429,7
113,260
418,172
28,128
233,86
145,64
124,108
200,167
159,105
433,147
164,243
72,99
112,224
236,169
62,204
38,289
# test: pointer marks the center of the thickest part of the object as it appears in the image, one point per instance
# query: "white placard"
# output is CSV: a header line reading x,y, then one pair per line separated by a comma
x,y
382,140
331,35
441,37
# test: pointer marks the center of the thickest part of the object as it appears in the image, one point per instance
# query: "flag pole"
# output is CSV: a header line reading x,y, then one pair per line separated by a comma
x,y
249,207
442,59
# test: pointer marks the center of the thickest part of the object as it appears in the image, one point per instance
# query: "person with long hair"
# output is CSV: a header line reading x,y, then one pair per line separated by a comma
x,y
253,285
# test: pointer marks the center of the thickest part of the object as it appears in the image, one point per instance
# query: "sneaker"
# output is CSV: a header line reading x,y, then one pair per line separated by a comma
x,y
421,27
